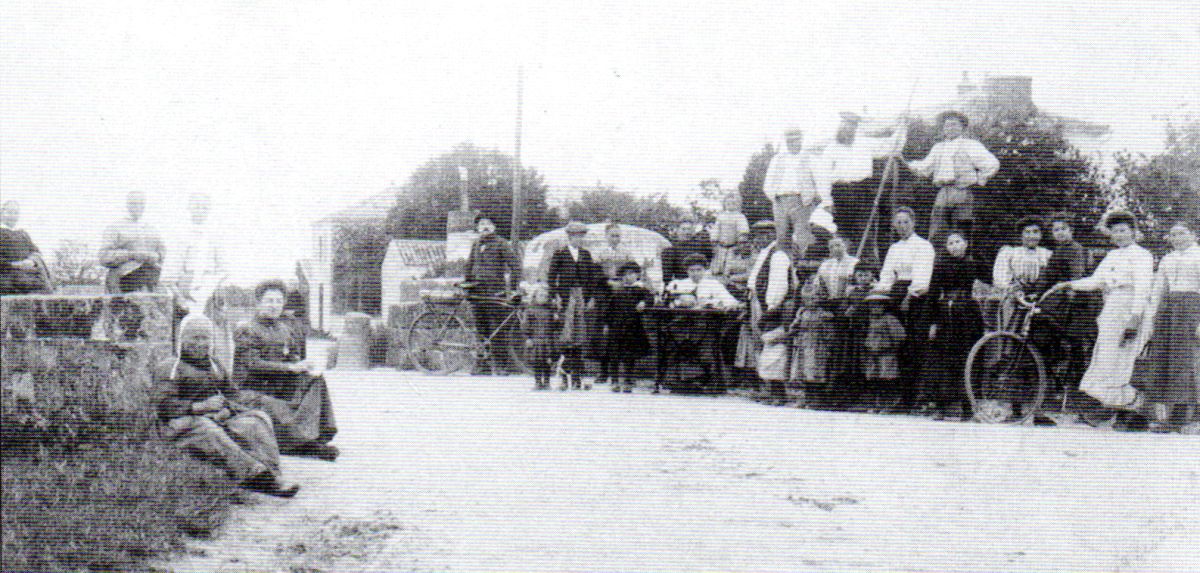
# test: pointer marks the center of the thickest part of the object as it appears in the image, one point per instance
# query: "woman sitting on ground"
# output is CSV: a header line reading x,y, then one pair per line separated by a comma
x,y
199,416
274,377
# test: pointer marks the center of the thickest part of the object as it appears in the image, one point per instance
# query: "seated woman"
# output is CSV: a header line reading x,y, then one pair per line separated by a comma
x,y
269,366
204,422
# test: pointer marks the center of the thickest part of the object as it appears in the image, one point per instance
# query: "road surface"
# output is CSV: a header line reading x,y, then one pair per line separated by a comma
x,y
482,474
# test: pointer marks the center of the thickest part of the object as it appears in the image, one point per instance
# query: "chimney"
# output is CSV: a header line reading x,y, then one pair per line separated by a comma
x,y
1010,93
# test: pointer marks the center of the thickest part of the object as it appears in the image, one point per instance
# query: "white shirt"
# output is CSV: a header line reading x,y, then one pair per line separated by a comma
x,y
574,252
777,280
708,292
1179,271
855,162
1019,265
948,160
1126,267
793,174
909,259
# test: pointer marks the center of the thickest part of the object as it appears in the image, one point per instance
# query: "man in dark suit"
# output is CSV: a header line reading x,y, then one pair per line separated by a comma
x,y
492,270
575,280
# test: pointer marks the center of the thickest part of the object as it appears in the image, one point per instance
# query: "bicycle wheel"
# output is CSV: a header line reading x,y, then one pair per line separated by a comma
x,y
441,343
1005,379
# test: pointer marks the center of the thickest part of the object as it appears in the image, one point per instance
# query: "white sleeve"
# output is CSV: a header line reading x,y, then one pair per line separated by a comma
x,y
1143,280
771,181
985,163
922,268
743,225
777,281
1001,277
926,167
887,275
1093,282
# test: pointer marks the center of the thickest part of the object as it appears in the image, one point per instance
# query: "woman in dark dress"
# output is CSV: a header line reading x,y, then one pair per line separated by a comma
x,y
575,281
626,339
956,324
269,365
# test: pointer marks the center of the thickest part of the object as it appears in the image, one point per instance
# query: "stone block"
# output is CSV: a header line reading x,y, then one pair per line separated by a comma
x,y
75,368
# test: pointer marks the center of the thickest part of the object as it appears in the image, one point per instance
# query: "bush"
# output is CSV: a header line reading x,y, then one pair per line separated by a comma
x,y
107,508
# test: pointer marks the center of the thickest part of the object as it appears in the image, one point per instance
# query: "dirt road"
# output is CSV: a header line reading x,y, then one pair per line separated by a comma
x,y
481,474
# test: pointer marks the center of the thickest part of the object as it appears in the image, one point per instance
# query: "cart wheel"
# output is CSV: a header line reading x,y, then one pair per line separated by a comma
x,y
441,343
1005,379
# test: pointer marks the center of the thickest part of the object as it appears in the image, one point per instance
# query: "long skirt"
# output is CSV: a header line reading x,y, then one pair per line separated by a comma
x,y
960,325
302,417
1113,357
243,445
1167,370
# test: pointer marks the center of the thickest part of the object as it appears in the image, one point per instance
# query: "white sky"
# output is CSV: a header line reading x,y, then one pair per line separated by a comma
x,y
288,110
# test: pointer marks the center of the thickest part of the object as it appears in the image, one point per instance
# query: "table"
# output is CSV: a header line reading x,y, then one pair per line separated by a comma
x,y
692,335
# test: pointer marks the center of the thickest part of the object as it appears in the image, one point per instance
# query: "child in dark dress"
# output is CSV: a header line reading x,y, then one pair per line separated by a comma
x,y
626,338
880,360
542,329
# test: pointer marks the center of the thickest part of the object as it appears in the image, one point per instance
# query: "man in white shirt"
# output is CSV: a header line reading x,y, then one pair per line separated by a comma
x,y
955,164
795,191
848,162
699,289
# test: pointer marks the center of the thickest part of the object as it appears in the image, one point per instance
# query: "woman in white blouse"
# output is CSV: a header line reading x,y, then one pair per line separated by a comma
x,y
1167,372
1125,276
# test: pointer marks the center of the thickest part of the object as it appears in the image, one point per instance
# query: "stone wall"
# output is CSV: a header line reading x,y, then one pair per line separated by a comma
x,y
77,367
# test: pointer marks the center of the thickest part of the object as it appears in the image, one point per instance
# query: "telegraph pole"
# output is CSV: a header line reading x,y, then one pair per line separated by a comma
x,y
517,198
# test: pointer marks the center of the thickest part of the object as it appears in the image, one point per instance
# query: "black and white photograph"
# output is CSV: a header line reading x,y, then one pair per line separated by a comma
x,y
316,286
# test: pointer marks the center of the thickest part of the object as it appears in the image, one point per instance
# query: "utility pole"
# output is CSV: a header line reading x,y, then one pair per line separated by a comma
x,y
517,198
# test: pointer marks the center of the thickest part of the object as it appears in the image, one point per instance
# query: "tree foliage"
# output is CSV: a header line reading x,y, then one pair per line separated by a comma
x,y
605,203
358,251
1165,188
433,190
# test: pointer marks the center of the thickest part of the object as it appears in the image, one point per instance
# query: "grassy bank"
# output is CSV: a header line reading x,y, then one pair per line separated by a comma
x,y
109,508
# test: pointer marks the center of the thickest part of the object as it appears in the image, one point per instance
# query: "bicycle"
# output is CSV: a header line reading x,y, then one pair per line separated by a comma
x,y
1005,373
440,341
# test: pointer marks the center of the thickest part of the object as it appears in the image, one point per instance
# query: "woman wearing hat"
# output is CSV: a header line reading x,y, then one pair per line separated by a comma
x,y
575,280
1125,276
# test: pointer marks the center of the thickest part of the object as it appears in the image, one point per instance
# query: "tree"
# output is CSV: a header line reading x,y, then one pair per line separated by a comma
x,y
755,203
358,251
1040,173
1164,188
605,203
433,190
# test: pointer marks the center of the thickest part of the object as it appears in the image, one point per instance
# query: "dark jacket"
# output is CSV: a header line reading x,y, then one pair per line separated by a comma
x,y
673,256
180,385
566,273
491,258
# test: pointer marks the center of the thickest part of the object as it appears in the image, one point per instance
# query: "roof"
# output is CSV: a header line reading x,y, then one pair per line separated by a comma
x,y
376,206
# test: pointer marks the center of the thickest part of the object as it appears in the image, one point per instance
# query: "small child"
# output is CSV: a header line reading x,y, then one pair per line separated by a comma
x,y
542,329
730,230
626,338
880,360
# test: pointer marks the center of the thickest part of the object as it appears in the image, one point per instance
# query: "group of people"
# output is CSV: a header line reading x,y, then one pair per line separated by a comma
x,y
824,328
239,412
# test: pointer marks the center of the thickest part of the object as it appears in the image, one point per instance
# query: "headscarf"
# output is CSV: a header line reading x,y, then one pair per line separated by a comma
x,y
194,321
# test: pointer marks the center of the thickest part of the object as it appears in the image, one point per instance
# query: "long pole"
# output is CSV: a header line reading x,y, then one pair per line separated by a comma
x,y
517,198
890,171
